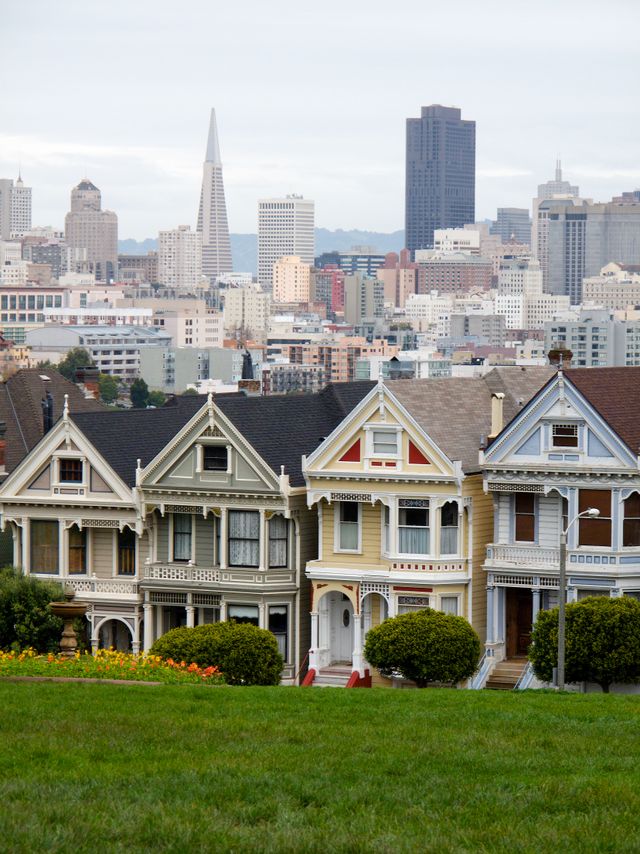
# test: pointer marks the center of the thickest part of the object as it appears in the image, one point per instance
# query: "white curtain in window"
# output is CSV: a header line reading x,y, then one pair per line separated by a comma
x,y
244,538
414,541
182,536
277,541
449,605
449,528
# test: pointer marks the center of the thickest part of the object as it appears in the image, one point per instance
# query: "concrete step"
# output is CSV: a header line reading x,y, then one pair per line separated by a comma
x,y
334,676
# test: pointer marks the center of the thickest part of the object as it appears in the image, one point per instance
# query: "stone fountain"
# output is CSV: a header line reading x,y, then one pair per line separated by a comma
x,y
68,611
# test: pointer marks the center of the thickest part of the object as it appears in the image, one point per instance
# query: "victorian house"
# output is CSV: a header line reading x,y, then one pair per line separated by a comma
x,y
575,446
183,515
403,519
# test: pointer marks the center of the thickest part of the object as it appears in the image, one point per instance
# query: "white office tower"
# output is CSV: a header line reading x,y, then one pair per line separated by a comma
x,y
556,189
212,213
15,209
285,227
180,258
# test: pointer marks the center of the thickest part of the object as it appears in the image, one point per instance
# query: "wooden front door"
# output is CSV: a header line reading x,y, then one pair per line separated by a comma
x,y
519,617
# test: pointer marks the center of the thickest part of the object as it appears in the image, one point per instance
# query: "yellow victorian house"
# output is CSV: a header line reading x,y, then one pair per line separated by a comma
x,y
403,519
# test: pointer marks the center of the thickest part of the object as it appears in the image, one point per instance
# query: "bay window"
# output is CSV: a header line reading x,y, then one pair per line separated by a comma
x,y
244,538
243,614
44,546
77,550
595,531
182,536
348,526
413,527
525,517
278,541
278,623
449,528
631,524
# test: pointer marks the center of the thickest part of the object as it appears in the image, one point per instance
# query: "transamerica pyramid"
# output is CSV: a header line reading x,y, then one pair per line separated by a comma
x,y
212,214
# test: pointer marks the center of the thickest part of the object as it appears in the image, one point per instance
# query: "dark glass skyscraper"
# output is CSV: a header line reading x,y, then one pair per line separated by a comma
x,y
440,176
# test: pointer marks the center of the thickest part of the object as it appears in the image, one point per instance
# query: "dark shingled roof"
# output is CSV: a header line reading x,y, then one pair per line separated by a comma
x,y
615,394
281,429
21,410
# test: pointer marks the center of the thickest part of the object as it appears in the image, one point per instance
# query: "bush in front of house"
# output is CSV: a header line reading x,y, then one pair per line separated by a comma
x,y
602,642
26,620
244,654
424,646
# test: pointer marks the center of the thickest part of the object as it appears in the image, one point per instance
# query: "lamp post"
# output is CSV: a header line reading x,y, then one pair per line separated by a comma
x,y
590,513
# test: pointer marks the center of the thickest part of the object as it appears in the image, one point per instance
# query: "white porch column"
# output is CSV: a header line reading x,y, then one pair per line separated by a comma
x,y
223,611
262,545
490,621
535,605
572,594
262,619
24,547
191,615
159,622
314,663
224,528
148,626
135,641
357,644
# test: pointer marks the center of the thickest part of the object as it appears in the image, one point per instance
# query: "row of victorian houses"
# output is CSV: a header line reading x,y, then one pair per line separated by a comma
x,y
317,516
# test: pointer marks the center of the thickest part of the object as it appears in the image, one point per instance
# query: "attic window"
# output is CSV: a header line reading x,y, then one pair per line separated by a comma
x,y
385,442
565,435
215,458
70,471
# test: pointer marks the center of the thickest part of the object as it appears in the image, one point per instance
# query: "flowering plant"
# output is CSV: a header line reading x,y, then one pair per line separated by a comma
x,y
107,664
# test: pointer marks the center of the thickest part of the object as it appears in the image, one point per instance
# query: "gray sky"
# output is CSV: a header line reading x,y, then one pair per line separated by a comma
x,y
310,98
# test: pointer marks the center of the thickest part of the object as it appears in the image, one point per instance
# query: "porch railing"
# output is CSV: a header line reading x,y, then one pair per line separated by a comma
x,y
525,679
177,572
523,555
101,585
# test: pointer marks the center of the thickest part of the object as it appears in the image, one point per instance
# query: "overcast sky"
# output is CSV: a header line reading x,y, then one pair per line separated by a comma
x,y
311,98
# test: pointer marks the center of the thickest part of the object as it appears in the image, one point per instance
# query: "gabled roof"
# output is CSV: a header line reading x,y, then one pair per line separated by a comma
x,y
615,394
281,429
456,411
20,408
122,437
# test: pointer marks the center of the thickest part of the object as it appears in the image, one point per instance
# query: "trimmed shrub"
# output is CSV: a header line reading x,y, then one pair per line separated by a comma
x,y
424,646
244,654
602,642
26,620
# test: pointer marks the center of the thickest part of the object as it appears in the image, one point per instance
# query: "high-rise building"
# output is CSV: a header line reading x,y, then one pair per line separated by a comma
x,y
556,189
88,227
246,312
15,208
291,280
212,213
512,224
363,298
583,237
180,258
440,174
285,227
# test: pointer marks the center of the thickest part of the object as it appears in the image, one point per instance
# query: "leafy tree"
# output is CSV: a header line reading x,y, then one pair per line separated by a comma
x,y
108,388
156,398
602,642
424,646
188,391
139,393
25,617
245,654
76,358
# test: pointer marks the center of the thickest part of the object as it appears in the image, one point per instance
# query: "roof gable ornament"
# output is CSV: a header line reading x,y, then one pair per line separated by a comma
x,y
380,391
211,411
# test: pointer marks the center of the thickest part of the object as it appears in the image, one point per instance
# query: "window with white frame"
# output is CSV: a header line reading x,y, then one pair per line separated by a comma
x,y
278,625
182,536
449,528
77,550
386,542
408,604
564,435
413,526
384,443
215,458
278,541
70,470
244,538
449,605
348,533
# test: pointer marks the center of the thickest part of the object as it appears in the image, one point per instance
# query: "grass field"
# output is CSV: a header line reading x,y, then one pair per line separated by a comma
x,y
140,768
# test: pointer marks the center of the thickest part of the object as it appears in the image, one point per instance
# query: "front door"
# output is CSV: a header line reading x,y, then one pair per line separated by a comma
x,y
341,641
519,617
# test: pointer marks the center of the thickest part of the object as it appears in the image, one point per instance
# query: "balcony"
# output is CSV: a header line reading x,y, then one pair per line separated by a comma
x,y
168,575
581,561
99,589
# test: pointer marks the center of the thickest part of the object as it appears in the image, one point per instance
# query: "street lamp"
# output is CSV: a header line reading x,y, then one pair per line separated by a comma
x,y
590,513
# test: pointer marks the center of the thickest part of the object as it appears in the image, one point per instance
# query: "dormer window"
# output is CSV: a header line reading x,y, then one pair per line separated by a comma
x,y
70,470
564,435
215,458
385,442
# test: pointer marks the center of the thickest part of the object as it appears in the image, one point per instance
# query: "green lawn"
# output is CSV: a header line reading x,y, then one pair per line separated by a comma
x,y
180,768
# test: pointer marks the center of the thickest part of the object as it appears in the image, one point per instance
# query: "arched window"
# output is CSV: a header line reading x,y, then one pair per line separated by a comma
x,y
449,528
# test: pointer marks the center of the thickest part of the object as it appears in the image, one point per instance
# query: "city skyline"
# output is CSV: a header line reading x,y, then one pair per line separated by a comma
x,y
346,152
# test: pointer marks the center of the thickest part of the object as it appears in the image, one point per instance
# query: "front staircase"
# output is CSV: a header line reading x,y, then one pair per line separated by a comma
x,y
505,674
334,676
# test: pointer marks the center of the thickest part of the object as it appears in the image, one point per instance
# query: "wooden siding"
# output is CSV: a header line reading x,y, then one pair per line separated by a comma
x,y
102,552
162,524
482,525
204,541
549,513
371,524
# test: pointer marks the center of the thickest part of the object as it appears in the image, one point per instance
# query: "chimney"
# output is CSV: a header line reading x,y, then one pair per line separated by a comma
x,y
3,446
497,414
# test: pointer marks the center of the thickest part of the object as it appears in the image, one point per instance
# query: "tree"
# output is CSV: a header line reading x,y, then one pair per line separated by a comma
x,y
602,642
25,617
188,391
424,646
108,388
76,358
139,393
156,398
